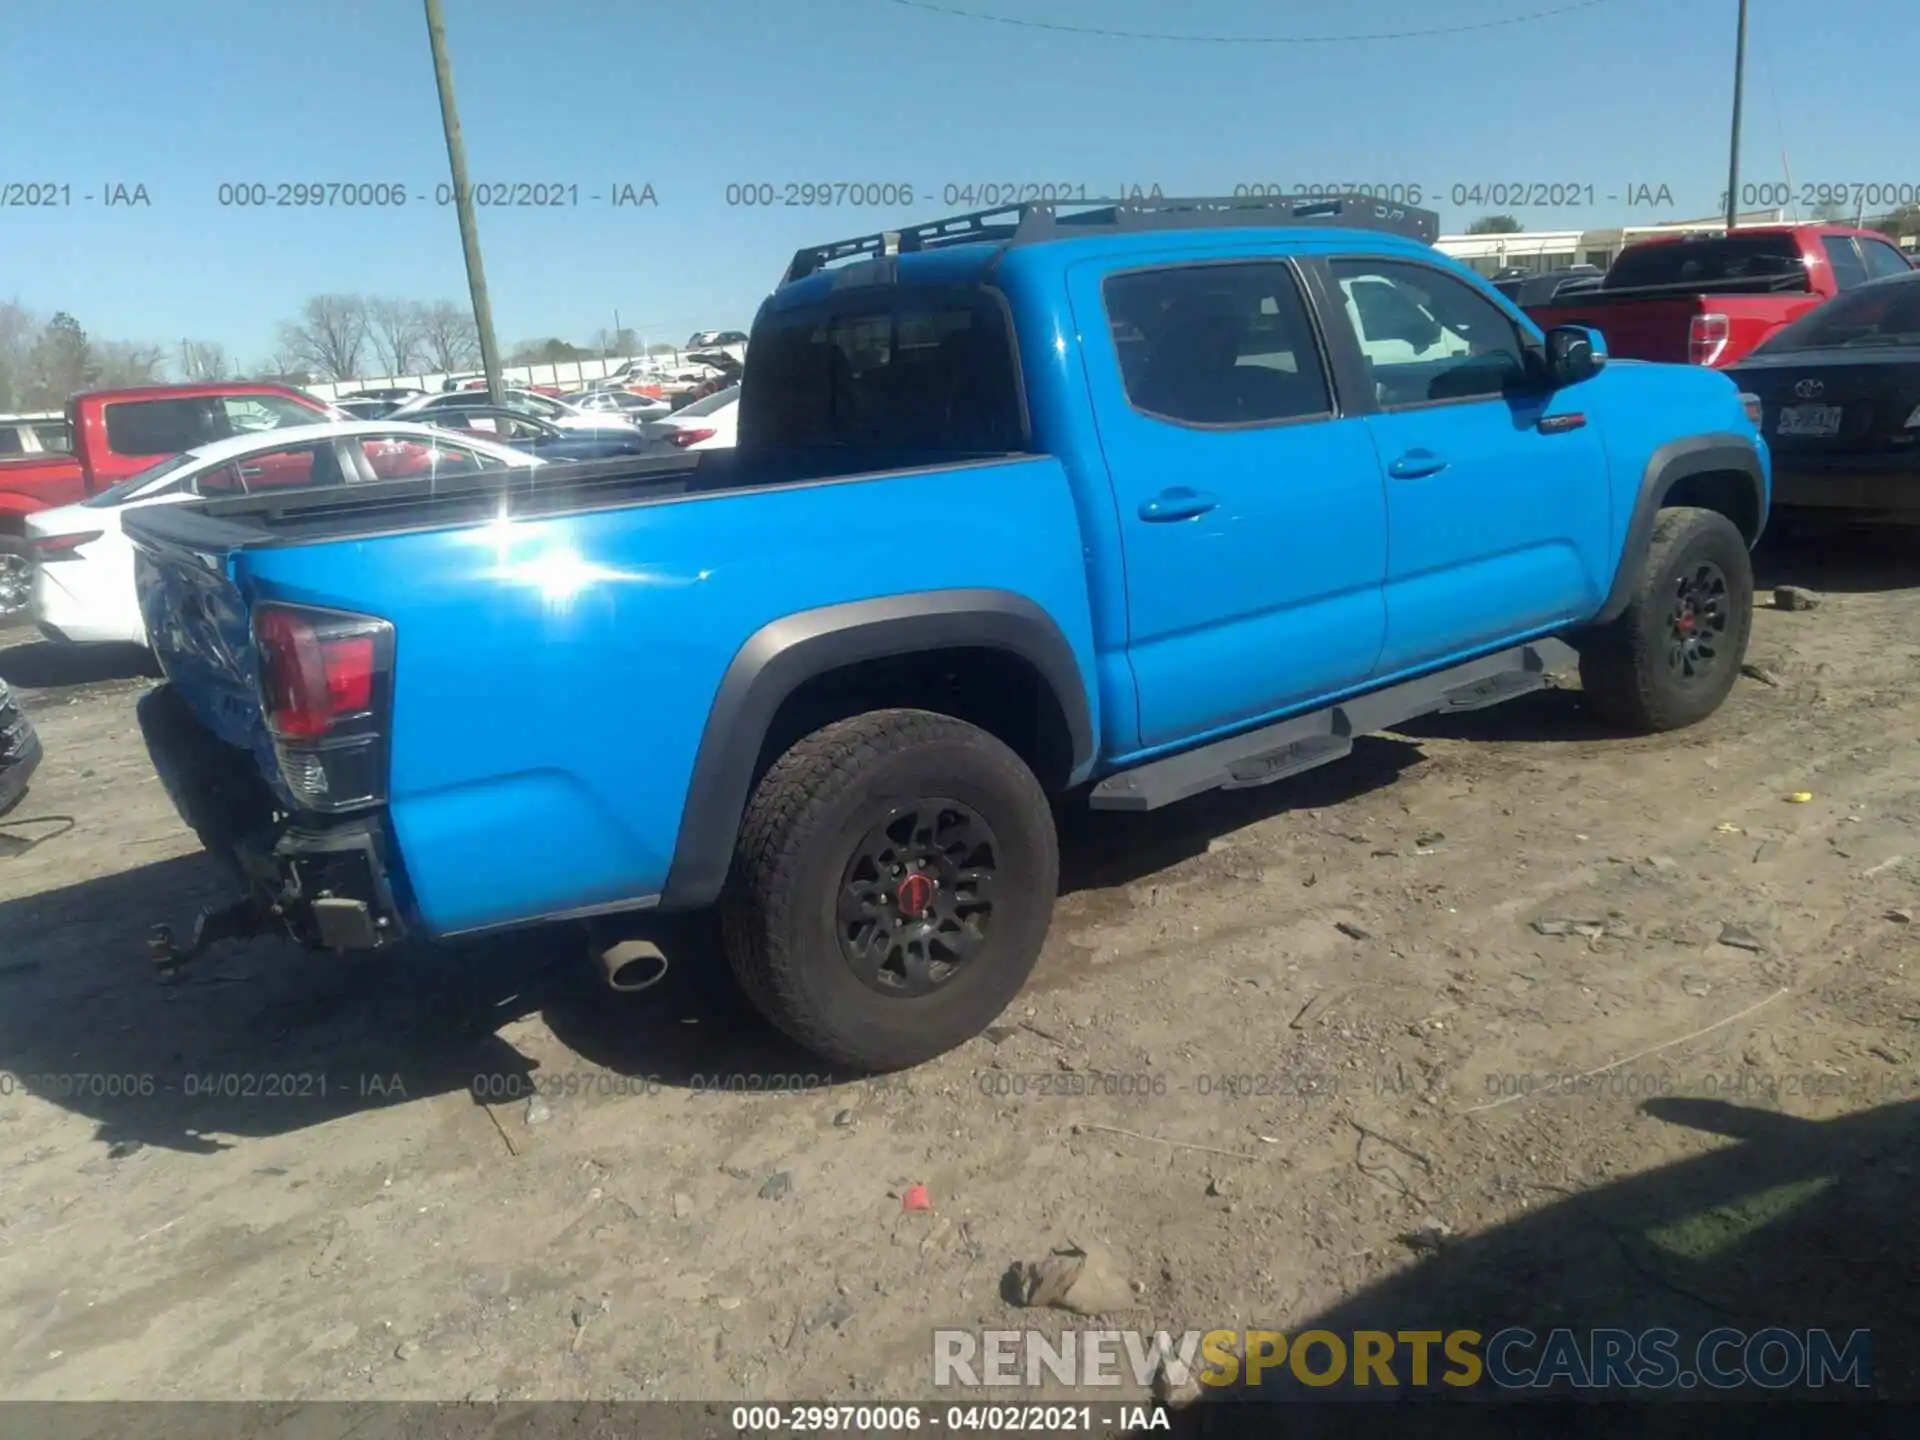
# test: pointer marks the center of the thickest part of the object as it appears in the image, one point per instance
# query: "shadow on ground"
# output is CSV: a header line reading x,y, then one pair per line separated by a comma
x,y
262,1038
33,664
1805,549
1797,1224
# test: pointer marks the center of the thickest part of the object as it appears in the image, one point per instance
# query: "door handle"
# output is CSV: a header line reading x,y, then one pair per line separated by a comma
x,y
1178,503
1416,465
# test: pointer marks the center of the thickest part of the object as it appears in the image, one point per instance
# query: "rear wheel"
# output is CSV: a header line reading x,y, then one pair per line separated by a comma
x,y
16,575
1672,656
892,886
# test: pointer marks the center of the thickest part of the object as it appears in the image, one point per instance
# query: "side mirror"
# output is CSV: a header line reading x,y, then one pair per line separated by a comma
x,y
1574,353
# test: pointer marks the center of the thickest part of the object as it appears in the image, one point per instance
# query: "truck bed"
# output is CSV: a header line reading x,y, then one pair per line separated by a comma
x,y
294,517
546,625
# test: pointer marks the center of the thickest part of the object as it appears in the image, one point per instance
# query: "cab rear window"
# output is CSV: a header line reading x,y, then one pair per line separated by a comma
x,y
926,368
1706,262
161,427
169,425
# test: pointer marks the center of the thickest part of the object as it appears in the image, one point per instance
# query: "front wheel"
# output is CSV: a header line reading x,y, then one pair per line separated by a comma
x,y
1671,657
891,888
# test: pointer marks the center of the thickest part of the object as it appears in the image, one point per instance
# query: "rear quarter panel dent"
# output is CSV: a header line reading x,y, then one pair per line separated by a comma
x,y
553,678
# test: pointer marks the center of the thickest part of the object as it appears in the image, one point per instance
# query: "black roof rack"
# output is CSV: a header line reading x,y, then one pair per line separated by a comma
x,y
1032,223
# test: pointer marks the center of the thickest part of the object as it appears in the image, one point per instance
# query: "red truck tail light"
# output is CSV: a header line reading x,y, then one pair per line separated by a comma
x,y
62,547
1706,338
325,683
684,438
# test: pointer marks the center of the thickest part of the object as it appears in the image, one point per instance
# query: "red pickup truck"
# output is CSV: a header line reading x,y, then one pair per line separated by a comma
x,y
1709,299
119,433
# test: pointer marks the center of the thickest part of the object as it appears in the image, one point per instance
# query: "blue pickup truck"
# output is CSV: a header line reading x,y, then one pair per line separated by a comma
x,y
1118,503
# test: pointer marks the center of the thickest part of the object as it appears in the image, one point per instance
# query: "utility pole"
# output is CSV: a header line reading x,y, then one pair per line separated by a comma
x,y
1733,149
463,203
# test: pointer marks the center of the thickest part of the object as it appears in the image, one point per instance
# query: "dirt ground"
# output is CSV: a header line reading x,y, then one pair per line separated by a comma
x,y
1293,1055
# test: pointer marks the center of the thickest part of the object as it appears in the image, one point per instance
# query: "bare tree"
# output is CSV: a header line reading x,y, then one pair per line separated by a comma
x,y
19,327
127,362
396,327
449,336
1897,224
203,360
61,363
330,335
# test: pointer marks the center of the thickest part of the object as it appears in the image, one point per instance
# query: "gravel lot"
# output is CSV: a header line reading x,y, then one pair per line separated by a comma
x,y
1275,1034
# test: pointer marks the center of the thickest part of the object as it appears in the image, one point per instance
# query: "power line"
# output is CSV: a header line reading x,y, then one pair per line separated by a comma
x,y
955,12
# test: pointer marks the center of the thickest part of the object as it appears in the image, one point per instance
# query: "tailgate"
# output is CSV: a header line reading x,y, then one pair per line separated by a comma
x,y
198,622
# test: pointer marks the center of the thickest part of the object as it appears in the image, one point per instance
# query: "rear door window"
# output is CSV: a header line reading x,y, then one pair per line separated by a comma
x,y
1882,259
314,463
252,414
1217,344
395,457
921,369
1849,269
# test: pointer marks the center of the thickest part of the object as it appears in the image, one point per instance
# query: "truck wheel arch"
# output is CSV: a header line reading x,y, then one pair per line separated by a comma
x,y
1715,472
783,656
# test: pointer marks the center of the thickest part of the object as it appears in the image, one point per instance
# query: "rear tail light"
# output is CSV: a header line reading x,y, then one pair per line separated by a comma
x,y
48,548
1756,411
1707,338
684,438
326,689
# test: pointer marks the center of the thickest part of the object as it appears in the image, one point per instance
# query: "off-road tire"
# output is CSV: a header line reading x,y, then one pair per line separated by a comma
x,y
807,819
1626,667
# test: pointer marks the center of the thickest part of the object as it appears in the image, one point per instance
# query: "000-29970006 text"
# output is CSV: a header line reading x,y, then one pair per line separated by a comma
x,y
74,1086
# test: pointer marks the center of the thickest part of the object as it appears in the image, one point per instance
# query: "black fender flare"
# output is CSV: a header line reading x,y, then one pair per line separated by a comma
x,y
782,655
1672,463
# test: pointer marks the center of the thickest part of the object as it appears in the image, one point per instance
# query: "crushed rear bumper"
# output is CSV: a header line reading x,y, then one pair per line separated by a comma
x,y
329,884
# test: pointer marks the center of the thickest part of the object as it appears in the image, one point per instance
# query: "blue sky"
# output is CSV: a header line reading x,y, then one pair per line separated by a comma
x,y
186,95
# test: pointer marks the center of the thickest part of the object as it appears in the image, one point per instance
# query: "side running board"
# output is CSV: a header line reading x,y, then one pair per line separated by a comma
x,y
1301,743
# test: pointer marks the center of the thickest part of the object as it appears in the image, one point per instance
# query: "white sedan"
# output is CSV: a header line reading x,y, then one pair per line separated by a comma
x,y
709,424
554,412
83,571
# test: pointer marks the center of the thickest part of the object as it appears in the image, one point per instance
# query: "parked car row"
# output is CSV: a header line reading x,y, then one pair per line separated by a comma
x,y
60,559
1820,323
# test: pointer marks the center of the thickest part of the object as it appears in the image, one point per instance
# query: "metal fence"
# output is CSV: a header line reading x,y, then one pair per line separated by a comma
x,y
566,375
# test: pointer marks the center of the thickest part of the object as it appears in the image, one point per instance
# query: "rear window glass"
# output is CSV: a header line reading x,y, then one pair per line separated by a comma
x,y
1706,262
917,369
135,484
1886,314
165,427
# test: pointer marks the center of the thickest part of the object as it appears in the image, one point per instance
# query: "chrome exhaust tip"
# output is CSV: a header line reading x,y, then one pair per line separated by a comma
x,y
632,965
